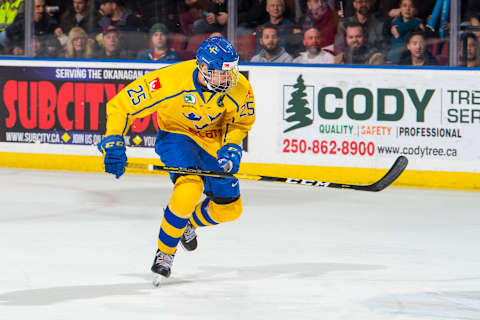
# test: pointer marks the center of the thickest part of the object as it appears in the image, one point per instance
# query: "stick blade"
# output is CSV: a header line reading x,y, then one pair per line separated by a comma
x,y
395,171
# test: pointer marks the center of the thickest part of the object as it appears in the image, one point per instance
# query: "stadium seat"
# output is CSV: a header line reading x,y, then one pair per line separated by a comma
x,y
203,4
192,46
178,41
245,46
440,50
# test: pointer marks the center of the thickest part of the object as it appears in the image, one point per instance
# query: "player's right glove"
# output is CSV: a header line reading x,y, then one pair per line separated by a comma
x,y
113,148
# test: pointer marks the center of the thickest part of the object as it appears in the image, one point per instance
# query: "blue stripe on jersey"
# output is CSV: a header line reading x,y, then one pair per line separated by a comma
x,y
205,211
173,220
126,125
226,131
150,106
233,100
211,96
167,240
197,221
197,85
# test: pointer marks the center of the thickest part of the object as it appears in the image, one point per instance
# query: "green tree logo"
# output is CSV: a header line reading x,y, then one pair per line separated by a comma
x,y
298,103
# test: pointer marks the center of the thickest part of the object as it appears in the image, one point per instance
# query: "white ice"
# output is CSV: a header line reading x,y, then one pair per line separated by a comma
x,y
80,245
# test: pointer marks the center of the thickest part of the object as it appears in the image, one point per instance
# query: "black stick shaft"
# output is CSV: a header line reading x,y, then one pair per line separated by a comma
x,y
395,171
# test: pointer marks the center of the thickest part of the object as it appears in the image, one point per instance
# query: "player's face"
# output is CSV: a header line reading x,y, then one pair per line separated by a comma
x,y
111,41
79,6
416,46
311,41
269,39
318,8
220,77
354,37
159,40
218,80
275,8
407,9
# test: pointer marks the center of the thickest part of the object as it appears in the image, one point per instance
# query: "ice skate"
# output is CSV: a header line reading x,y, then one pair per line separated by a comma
x,y
189,238
162,263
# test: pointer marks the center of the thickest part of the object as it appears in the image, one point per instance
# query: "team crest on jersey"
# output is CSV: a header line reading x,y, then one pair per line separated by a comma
x,y
192,116
220,101
154,85
189,98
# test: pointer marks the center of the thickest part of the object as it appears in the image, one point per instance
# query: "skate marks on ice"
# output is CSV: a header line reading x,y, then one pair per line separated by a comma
x,y
207,274
53,295
291,270
458,305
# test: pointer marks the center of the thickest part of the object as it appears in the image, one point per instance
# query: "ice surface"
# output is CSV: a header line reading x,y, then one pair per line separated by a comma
x,y
80,245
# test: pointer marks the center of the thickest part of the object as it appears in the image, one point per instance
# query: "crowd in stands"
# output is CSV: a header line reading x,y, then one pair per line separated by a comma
x,y
397,32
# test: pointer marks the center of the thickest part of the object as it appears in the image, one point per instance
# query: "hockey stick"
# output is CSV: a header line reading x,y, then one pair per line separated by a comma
x,y
392,174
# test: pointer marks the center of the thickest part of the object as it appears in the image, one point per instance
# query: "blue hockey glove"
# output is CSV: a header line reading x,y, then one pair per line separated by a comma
x,y
229,157
113,148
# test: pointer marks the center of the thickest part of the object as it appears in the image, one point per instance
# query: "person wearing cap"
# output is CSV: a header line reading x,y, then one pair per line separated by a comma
x,y
111,45
160,50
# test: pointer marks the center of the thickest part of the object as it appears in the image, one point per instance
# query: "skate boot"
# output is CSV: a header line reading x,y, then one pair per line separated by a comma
x,y
189,238
162,263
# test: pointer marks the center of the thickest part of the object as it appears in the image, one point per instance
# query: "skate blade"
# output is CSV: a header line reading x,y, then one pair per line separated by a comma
x,y
159,280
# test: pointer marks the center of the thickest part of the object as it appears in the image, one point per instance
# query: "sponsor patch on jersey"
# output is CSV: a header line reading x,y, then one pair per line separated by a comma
x,y
189,98
155,85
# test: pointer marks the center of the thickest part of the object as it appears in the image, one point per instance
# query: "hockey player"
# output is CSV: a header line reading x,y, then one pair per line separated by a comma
x,y
205,108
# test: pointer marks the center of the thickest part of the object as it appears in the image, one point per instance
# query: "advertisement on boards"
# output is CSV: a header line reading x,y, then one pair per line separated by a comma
x,y
332,116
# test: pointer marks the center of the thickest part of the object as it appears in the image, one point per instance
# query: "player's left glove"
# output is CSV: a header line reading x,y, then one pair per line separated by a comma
x,y
229,157
113,148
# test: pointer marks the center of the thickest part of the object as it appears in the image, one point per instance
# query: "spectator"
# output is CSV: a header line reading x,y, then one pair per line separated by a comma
x,y
132,29
8,11
160,49
314,53
116,15
271,51
376,27
78,46
111,45
323,18
276,10
76,16
160,11
358,50
475,22
469,44
251,14
400,27
391,8
215,18
189,11
44,27
416,53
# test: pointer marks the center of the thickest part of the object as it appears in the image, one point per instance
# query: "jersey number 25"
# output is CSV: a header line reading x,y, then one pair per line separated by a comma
x,y
136,96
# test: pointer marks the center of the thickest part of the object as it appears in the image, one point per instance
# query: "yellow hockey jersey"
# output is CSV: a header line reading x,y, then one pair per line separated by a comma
x,y
210,119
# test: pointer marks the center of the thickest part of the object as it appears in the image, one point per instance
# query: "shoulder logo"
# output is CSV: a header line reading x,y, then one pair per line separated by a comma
x,y
189,98
154,85
220,100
